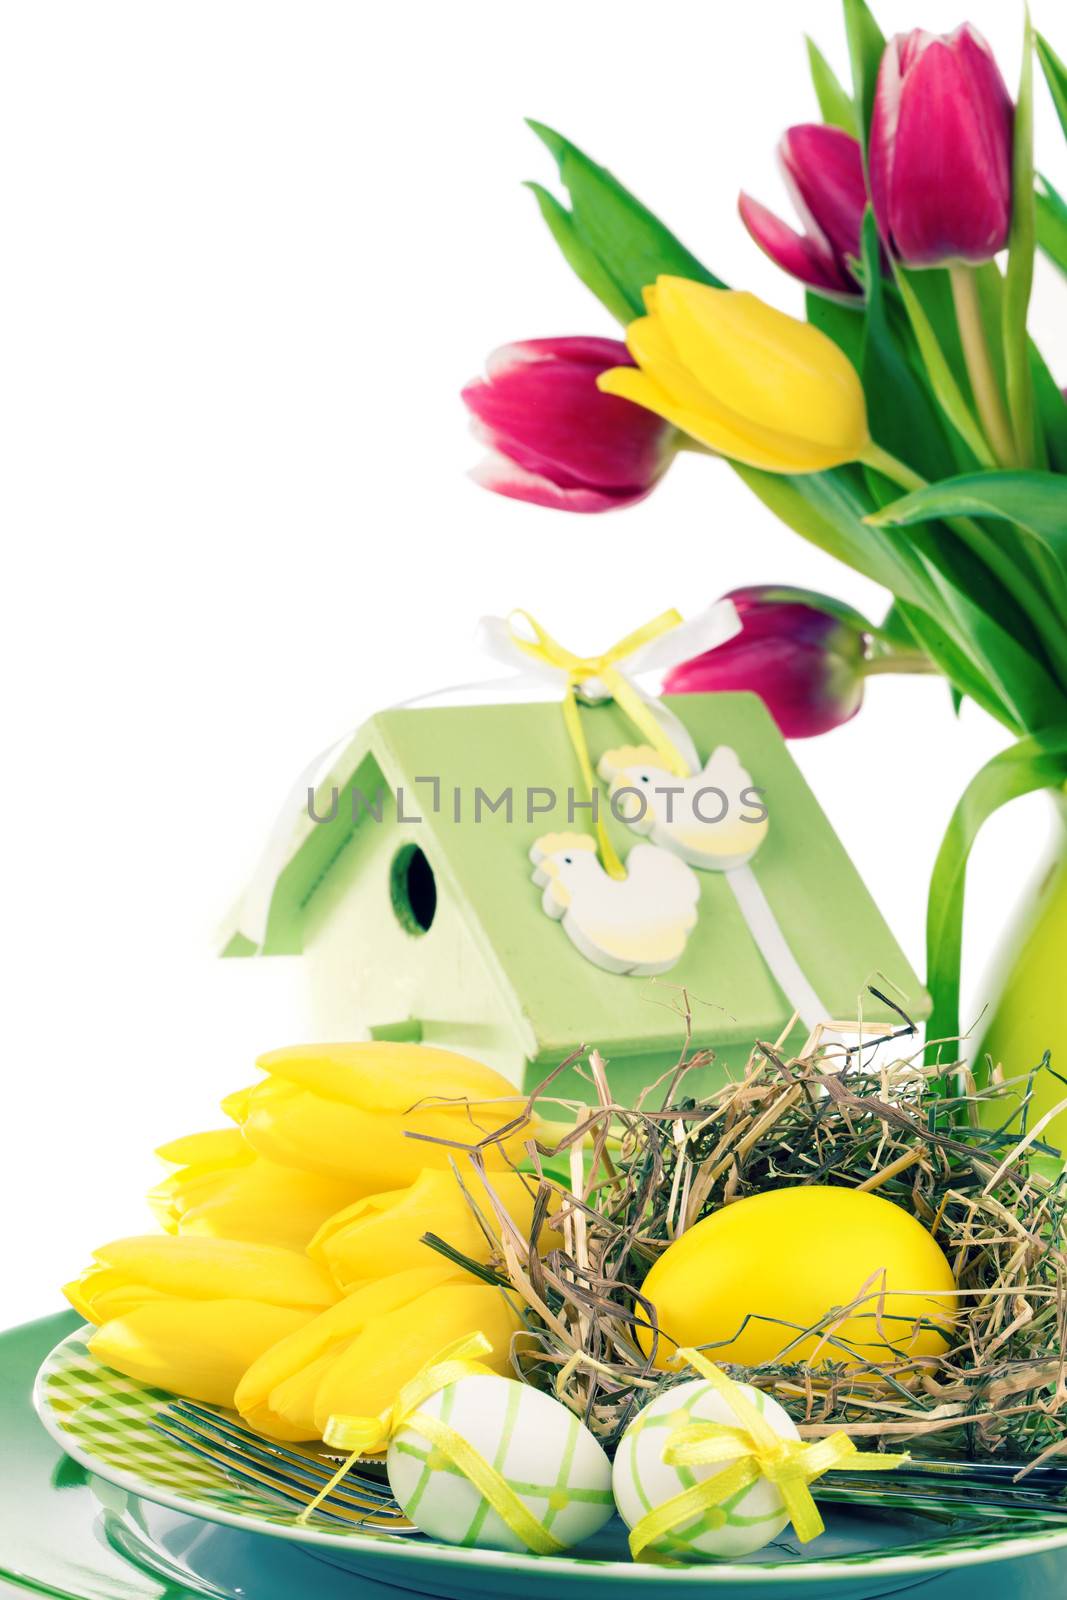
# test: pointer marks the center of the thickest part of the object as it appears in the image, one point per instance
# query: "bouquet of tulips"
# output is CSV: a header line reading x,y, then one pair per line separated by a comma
x,y
909,426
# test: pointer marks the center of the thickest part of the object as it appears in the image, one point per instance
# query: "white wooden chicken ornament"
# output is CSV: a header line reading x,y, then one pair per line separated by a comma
x,y
715,819
638,924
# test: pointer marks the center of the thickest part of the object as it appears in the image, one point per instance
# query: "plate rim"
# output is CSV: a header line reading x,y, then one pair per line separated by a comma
x,y
387,1545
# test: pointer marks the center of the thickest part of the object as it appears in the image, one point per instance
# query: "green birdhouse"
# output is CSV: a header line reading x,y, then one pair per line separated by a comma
x,y
444,881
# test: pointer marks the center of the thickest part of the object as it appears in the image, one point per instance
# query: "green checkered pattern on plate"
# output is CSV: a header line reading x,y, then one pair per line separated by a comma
x,y
112,1419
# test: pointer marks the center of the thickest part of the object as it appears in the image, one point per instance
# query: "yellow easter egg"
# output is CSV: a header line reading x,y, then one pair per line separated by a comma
x,y
749,1278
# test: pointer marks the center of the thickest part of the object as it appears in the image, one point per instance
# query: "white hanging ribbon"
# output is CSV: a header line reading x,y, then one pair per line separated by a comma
x,y
766,930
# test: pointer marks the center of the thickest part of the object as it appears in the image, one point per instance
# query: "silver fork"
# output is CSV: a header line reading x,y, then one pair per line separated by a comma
x,y
298,1473
976,1487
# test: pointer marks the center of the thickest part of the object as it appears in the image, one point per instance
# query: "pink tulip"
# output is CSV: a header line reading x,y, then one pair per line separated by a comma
x,y
554,439
805,662
823,169
941,149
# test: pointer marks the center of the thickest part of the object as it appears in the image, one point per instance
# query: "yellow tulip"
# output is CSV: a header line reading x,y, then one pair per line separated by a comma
x,y
744,379
223,1190
382,1233
345,1110
353,1359
191,1314
151,1267
216,1146
195,1348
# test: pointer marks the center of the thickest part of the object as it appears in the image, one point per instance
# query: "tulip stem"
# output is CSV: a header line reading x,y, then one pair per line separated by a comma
x,y
984,384
911,661
890,467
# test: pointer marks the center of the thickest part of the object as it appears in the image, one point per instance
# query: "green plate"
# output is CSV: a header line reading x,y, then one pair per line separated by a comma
x,y
114,1523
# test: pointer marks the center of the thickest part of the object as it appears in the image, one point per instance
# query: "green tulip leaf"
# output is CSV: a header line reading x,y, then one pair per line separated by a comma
x,y
1035,502
608,226
827,509
866,43
1003,598
1051,433
842,323
990,622
893,628
904,629
1051,223
903,417
932,287
1019,279
967,642
835,106
935,298
1034,763
955,661
579,257
1051,410
905,420
1014,672
988,626
943,380
1034,505
1055,76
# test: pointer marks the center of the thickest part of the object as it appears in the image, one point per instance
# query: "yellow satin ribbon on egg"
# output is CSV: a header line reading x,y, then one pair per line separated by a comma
x,y
579,669
755,1451
372,1435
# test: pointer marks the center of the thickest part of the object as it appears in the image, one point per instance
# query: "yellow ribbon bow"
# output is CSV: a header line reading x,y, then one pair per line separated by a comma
x,y
755,1451
579,669
372,1435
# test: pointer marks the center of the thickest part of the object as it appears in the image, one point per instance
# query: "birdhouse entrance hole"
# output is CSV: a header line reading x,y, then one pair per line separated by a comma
x,y
413,889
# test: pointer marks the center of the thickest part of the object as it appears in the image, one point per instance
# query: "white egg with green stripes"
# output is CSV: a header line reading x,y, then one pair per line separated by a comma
x,y
643,1481
544,1454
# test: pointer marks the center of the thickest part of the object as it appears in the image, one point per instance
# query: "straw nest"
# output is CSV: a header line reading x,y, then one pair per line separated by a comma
x,y
621,1183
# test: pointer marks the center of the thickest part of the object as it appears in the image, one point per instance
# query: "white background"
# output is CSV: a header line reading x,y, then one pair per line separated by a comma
x,y
251,254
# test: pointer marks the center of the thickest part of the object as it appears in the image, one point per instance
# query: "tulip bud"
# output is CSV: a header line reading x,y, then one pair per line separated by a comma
x,y
383,1233
806,662
223,1190
345,1111
823,169
190,1315
353,1359
555,439
744,379
940,152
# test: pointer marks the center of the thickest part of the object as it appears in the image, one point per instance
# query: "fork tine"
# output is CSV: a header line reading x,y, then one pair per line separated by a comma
x,y
340,1506
249,1475
264,1450
234,1427
983,1482
268,1472
992,1507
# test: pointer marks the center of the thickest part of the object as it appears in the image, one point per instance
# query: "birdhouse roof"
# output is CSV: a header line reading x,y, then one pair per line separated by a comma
x,y
557,997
